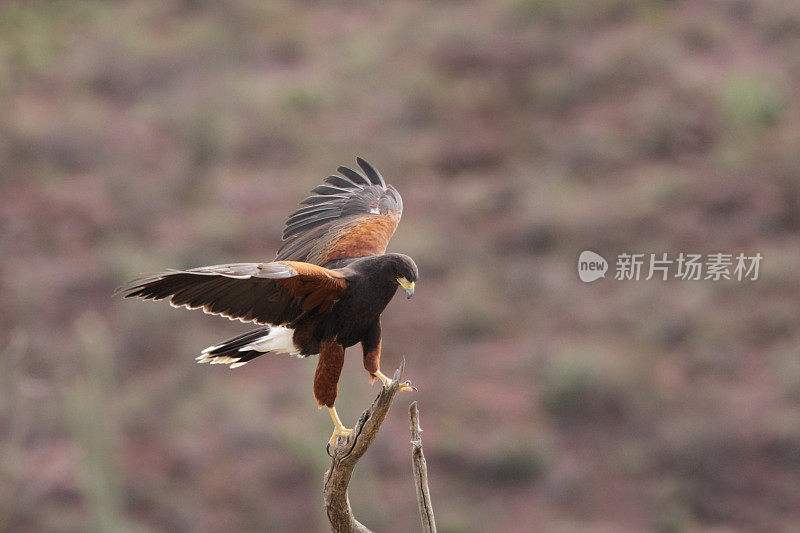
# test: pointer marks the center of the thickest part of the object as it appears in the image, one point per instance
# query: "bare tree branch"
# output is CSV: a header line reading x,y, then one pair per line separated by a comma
x,y
420,469
346,454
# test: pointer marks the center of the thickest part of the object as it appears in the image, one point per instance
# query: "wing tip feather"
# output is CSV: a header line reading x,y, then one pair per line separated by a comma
x,y
371,172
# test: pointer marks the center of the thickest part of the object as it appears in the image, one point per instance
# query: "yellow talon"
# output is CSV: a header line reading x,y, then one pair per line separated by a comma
x,y
405,386
338,428
343,432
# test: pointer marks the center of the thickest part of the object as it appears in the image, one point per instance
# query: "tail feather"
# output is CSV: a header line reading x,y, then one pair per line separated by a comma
x,y
238,341
247,346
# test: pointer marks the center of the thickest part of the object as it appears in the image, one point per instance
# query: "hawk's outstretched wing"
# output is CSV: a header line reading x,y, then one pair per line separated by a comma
x,y
266,293
352,215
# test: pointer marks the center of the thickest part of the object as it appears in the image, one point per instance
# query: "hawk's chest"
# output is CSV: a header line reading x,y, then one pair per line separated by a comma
x,y
368,298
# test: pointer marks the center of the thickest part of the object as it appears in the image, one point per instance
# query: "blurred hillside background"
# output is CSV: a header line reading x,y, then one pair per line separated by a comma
x,y
136,136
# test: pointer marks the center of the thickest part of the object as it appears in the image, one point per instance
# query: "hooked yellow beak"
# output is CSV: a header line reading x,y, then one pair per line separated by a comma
x,y
407,285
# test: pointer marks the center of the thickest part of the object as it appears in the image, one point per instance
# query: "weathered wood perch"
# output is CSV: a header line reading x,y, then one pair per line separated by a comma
x,y
420,468
345,455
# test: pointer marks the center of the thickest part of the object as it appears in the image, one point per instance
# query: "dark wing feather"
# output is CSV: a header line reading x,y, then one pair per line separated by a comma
x,y
373,175
354,176
338,181
328,189
315,200
266,293
352,215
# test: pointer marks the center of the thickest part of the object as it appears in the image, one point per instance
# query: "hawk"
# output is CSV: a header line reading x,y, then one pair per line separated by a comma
x,y
324,292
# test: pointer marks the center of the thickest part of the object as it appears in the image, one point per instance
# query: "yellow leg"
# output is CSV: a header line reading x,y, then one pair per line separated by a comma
x,y
387,382
338,428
